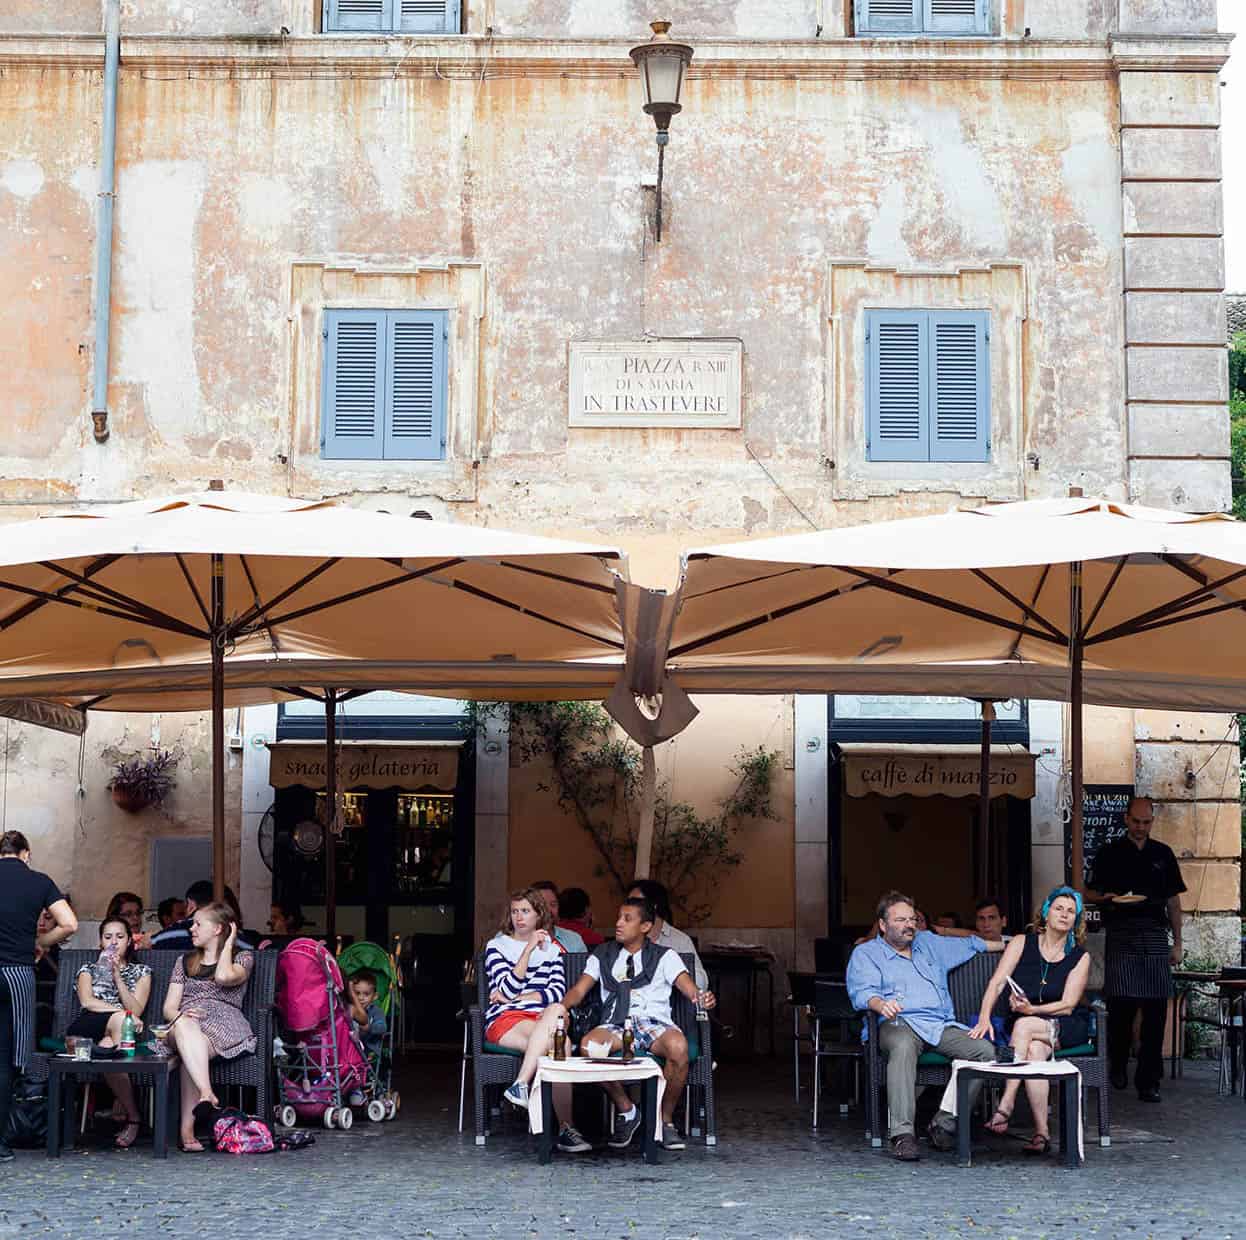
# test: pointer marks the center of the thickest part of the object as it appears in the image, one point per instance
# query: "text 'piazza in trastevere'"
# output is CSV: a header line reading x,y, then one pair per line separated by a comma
x,y
663,383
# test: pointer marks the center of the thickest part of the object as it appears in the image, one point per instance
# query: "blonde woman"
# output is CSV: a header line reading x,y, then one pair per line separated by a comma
x,y
1050,966
206,992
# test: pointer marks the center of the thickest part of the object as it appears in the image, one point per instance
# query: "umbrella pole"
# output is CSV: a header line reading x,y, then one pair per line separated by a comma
x,y
984,804
1077,875
217,641
648,800
330,834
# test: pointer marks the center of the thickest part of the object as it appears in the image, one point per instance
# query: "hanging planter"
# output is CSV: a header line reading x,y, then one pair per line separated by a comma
x,y
141,782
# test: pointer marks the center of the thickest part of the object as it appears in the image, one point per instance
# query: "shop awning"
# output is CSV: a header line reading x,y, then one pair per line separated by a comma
x,y
935,770
410,765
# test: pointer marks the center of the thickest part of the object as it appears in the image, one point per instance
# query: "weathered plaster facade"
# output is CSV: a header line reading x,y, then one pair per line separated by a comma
x,y
1062,174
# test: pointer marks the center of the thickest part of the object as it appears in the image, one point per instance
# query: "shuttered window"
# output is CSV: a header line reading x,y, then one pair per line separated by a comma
x,y
392,16
384,391
928,382
939,17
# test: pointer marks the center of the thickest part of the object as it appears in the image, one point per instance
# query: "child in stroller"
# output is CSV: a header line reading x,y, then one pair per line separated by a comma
x,y
325,1070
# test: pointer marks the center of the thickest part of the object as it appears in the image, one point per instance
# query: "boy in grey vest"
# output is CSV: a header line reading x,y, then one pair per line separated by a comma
x,y
636,977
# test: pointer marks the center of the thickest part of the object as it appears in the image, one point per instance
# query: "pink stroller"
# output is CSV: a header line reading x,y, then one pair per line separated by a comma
x,y
324,1063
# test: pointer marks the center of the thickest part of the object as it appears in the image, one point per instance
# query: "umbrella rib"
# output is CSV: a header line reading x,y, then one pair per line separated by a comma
x,y
562,577
27,608
1038,590
477,592
1016,602
778,613
259,612
960,609
255,596
1180,603
1165,622
312,608
868,579
301,693
92,605
107,594
194,589
1192,573
1103,598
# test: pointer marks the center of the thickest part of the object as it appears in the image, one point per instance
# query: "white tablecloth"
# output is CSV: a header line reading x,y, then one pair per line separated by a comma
x,y
1048,1067
582,1071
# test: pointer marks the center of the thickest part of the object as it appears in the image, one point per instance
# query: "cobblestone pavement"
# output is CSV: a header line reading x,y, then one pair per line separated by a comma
x,y
1173,1170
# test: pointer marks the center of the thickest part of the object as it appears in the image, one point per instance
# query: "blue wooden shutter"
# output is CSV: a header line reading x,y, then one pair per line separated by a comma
x,y
357,15
427,16
960,386
415,403
896,378
889,16
957,16
351,417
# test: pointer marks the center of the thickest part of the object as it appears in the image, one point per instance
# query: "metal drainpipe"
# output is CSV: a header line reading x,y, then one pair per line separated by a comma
x,y
103,251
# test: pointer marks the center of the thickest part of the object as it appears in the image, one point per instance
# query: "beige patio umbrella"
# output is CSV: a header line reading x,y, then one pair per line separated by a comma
x,y
1146,602
163,582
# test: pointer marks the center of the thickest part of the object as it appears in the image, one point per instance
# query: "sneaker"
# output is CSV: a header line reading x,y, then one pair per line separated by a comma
x,y
904,1147
671,1140
517,1095
1148,1093
6,1154
624,1130
571,1142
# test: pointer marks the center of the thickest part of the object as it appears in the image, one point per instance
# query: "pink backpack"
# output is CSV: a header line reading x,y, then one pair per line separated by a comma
x,y
236,1133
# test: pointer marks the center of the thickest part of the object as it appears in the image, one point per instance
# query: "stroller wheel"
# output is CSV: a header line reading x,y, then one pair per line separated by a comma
x,y
377,1110
328,1117
345,1118
286,1116
391,1109
395,1101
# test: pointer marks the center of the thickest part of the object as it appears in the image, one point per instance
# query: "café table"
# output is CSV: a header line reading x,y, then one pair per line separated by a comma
x,y
581,1070
65,1072
749,967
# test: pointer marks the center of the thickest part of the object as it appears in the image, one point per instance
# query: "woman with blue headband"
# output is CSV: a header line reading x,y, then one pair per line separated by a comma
x,y
1050,966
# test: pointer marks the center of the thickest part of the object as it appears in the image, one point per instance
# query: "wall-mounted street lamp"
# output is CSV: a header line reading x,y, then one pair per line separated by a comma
x,y
661,63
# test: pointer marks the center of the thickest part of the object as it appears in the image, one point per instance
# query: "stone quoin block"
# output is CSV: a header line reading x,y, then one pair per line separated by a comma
x,y
1193,373
1167,16
1195,486
1175,207
1174,318
1211,885
1162,767
1181,725
1198,828
1178,430
1171,154
1195,263
1170,98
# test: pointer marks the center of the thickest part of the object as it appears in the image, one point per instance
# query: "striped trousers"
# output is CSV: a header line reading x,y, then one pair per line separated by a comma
x,y
17,1029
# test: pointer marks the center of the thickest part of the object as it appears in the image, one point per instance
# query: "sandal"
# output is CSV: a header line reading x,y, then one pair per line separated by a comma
x,y
190,1147
1037,1144
998,1123
128,1135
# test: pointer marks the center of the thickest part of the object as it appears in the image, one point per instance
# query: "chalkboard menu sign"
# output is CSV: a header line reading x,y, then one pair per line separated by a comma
x,y
1103,820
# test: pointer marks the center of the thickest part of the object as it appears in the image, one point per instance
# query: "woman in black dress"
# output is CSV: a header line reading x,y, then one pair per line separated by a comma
x,y
1051,966
108,988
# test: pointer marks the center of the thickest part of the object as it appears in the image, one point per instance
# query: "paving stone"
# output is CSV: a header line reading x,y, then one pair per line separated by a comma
x,y
1169,1173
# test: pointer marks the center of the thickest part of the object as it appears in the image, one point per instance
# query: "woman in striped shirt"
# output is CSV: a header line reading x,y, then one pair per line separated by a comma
x,y
526,985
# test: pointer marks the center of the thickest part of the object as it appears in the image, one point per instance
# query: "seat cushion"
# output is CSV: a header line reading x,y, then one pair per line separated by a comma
x,y
1084,1048
932,1059
493,1048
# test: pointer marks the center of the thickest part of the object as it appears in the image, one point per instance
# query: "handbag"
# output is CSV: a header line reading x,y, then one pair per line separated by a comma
x,y
27,1128
585,1018
238,1133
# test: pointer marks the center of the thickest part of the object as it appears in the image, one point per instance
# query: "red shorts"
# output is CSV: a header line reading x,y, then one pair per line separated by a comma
x,y
508,1020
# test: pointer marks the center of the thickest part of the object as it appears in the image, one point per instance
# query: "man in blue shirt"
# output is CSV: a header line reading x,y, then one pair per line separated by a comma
x,y
902,975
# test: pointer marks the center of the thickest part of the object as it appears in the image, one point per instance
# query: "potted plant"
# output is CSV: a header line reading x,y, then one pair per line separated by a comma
x,y
141,782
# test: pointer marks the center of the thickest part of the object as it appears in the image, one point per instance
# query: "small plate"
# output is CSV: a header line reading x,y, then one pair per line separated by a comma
x,y
1128,898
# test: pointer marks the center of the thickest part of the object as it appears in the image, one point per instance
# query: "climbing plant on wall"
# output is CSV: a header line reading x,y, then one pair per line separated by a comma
x,y
596,777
